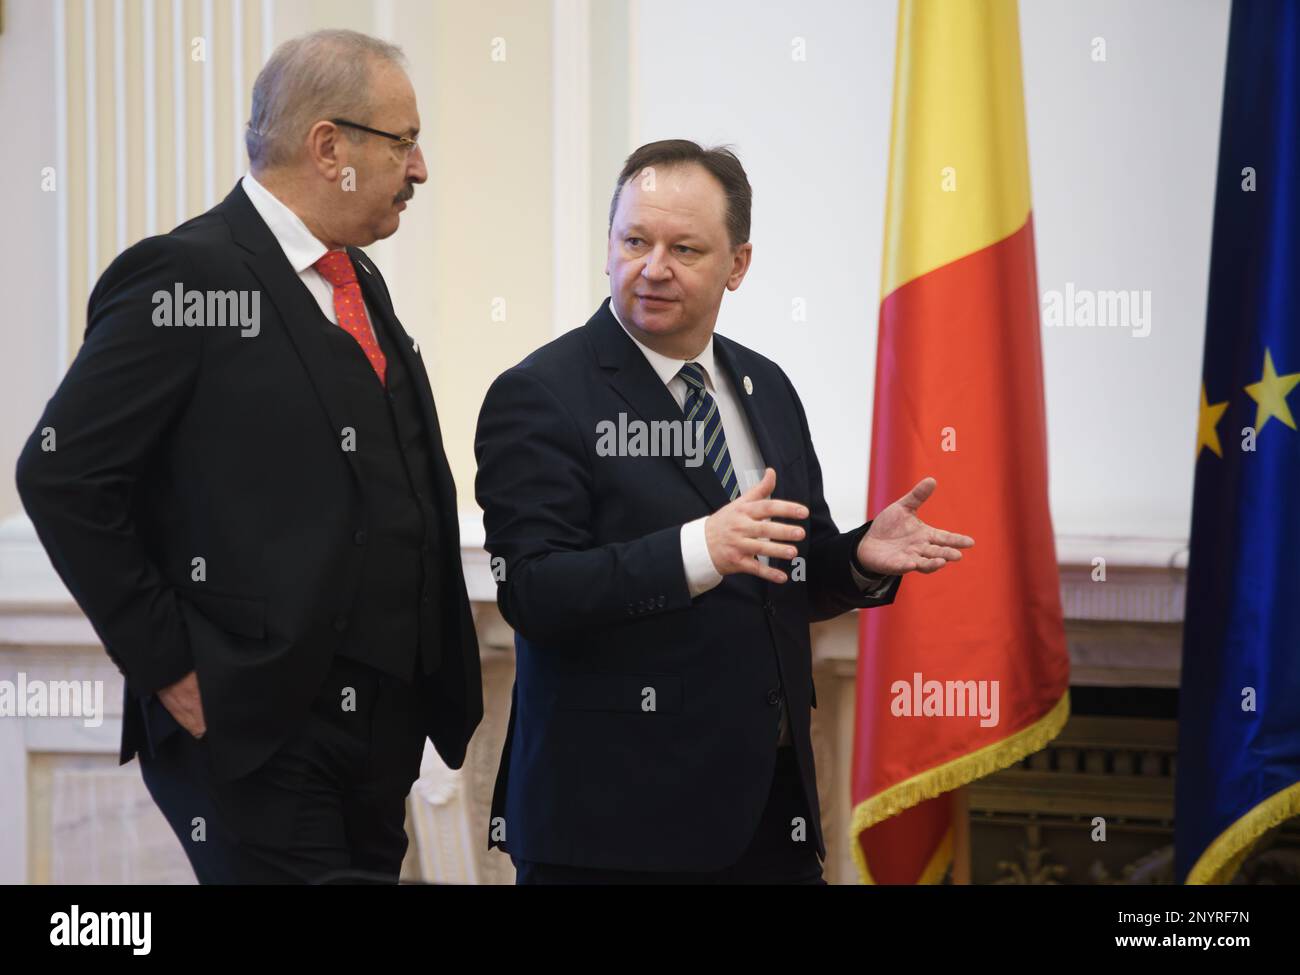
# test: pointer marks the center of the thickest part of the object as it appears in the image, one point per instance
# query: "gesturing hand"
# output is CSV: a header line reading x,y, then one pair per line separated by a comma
x,y
898,541
740,532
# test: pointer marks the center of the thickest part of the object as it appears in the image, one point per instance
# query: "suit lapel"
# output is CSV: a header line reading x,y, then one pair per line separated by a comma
x,y
299,311
766,418
380,304
297,308
632,377
760,405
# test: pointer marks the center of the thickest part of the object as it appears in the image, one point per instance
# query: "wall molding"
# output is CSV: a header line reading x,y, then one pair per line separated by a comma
x,y
1141,586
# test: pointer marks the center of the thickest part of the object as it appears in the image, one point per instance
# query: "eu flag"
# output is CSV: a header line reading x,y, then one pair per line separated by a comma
x,y
1238,769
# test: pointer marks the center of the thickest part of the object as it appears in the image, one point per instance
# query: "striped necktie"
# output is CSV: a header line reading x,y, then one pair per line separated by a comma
x,y
701,408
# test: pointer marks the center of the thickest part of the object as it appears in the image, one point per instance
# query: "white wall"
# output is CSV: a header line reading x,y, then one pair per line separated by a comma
x,y
1122,155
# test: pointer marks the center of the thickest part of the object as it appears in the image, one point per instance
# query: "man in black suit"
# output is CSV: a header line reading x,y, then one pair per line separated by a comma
x,y
241,480
628,472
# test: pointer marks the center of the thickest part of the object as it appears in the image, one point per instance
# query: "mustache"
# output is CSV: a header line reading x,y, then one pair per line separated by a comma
x,y
406,194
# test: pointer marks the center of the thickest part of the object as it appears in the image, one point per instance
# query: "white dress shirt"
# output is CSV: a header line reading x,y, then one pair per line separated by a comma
x,y
300,246
746,461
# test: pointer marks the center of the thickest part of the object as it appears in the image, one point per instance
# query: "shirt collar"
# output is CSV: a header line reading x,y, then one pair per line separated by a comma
x,y
666,367
300,246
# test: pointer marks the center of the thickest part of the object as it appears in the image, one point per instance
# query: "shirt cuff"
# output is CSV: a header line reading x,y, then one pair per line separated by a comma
x,y
701,576
869,584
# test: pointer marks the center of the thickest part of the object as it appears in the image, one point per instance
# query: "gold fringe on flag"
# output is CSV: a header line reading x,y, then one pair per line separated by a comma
x,y
1221,860
952,775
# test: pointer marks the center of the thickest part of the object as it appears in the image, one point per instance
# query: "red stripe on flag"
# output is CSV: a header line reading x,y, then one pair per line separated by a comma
x,y
959,357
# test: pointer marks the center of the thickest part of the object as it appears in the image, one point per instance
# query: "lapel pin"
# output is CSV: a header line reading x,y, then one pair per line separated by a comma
x,y
749,386
415,347
364,268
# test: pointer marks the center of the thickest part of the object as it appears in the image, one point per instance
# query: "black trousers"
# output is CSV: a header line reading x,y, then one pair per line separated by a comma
x,y
779,853
328,807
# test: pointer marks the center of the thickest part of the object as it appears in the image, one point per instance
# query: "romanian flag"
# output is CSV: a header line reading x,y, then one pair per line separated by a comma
x,y
1239,703
967,672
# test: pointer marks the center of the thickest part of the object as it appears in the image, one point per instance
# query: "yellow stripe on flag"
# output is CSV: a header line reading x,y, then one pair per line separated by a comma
x,y
958,121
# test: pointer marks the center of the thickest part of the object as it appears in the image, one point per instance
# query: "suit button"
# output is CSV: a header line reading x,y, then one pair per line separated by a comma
x,y
340,623
661,602
774,697
770,607
359,538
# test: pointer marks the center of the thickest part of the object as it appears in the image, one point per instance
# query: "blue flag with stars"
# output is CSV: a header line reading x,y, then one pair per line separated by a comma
x,y
1238,771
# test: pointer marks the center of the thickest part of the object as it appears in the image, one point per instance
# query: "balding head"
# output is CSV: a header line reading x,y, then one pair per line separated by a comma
x,y
324,75
332,135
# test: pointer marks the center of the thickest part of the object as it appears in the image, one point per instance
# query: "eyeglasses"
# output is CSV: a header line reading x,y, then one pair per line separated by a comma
x,y
408,144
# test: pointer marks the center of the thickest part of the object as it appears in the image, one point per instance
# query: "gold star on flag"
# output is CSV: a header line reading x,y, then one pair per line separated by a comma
x,y
1270,393
1206,434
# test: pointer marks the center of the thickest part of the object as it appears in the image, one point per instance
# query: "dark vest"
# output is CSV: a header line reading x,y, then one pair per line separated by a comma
x,y
393,625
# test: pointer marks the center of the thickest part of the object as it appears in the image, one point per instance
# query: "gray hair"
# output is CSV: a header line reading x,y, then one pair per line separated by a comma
x,y
322,75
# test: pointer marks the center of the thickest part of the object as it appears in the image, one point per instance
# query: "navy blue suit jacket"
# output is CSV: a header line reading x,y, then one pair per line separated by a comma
x,y
595,589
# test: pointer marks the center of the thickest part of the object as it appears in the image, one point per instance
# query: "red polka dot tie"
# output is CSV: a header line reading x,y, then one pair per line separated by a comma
x,y
336,268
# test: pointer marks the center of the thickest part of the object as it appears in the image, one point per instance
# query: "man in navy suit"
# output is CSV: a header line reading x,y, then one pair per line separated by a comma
x,y
659,584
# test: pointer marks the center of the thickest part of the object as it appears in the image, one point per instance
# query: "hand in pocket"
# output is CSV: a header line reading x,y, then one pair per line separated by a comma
x,y
184,704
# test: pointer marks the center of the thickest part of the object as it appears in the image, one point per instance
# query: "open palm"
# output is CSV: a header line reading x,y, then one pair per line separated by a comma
x,y
898,541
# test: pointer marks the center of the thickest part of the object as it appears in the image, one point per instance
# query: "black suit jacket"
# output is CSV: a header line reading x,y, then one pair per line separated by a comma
x,y
182,443
595,588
